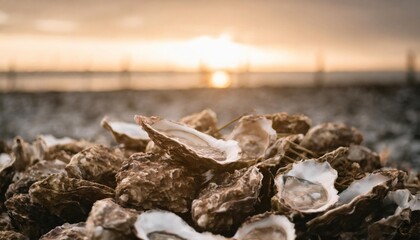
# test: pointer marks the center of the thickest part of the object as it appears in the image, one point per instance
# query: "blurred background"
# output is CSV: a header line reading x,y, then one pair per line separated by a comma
x,y
64,65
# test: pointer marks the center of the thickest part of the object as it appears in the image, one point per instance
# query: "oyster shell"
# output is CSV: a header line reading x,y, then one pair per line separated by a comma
x,y
266,227
307,188
361,199
23,154
108,220
222,205
97,164
34,173
284,123
204,121
145,183
156,225
12,235
194,148
68,198
31,219
326,137
67,231
7,172
254,135
5,222
130,135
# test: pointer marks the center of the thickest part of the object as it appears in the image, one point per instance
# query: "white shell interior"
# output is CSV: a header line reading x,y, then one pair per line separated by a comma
x,y
272,221
5,161
51,141
132,130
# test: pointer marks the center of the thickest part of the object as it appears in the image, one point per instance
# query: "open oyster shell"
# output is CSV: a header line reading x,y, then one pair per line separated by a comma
x,y
108,220
326,137
360,200
130,135
254,135
204,121
307,188
68,198
66,231
285,123
97,164
266,227
196,149
146,183
227,202
156,225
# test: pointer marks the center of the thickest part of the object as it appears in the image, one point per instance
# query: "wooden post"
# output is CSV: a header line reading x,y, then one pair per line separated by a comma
x,y
125,73
411,68
319,74
11,77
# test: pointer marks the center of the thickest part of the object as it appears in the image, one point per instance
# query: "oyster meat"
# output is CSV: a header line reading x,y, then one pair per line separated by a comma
x,y
160,225
67,231
266,227
227,202
285,123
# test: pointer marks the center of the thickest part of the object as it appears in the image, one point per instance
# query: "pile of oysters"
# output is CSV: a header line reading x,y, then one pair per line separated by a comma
x,y
272,177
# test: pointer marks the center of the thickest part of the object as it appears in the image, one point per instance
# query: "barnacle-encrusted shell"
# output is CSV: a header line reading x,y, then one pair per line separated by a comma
x,y
6,172
226,203
307,188
34,173
12,235
76,231
266,227
97,164
290,124
148,184
360,199
108,220
326,137
194,148
254,134
69,198
159,225
130,135
204,121
30,218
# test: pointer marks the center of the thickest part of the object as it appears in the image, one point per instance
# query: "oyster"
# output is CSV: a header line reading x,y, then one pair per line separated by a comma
x,y
266,227
157,225
51,148
130,135
307,188
12,235
68,198
194,148
34,173
361,199
23,153
5,222
284,123
254,135
223,204
67,231
108,220
204,121
145,183
30,218
326,137
368,160
97,164
7,172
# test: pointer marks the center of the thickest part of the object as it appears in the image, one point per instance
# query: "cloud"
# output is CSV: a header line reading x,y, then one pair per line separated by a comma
x,y
4,17
55,25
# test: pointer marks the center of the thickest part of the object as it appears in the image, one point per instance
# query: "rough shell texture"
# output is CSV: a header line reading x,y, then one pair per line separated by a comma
x,y
145,184
196,149
368,160
284,146
5,222
67,231
356,204
225,203
129,135
12,235
34,173
266,226
156,225
23,153
97,164
108,220
290,124
307,188
326,137
204,121
69,198
30,218
254,135
7,172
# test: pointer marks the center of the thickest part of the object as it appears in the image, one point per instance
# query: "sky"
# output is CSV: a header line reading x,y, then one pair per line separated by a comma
x,y
186,35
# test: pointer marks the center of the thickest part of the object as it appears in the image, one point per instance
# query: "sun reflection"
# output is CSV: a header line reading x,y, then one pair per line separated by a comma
x,y
220,79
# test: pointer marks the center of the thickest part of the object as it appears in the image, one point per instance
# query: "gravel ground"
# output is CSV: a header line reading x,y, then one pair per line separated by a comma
x,y
389,117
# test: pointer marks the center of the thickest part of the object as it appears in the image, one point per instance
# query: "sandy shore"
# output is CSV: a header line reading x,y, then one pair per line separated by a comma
x,y
388,117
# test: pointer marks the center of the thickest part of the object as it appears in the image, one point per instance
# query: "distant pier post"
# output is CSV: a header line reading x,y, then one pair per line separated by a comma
x,y
125,73
411,68
204,74
319,74
11,77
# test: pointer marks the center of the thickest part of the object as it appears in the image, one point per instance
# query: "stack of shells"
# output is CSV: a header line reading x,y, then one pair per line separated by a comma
x,y
272,177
